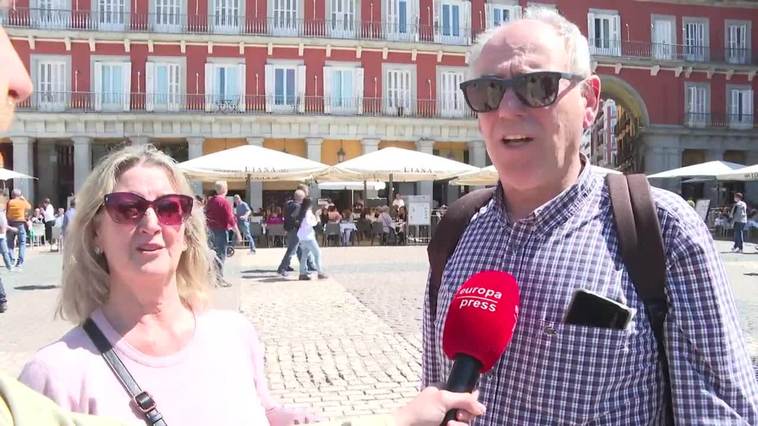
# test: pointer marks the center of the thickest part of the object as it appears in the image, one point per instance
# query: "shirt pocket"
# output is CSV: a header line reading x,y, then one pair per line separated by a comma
x,y
577,368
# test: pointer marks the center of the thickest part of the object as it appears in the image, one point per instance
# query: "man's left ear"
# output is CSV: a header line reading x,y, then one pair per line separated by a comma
x,y
591,94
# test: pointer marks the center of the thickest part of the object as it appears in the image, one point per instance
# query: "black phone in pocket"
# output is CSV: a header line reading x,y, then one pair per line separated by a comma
x,y
593,310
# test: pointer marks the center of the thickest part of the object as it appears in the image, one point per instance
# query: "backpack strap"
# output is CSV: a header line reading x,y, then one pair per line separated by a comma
x,y
446,237
641,245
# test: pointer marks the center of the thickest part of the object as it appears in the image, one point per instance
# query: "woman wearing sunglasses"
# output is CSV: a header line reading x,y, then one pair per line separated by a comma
x,y
136,267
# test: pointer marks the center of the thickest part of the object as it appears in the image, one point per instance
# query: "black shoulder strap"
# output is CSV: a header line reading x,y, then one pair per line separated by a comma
x,y
446,237
643,254
141,398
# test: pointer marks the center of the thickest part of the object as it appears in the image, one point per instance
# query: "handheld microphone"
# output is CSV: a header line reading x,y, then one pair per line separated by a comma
x,y
478,327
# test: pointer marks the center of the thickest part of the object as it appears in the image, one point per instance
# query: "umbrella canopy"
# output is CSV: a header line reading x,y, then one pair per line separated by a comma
x,y
398,165
6,174
252,162
488,176
352,186
743,174
708,169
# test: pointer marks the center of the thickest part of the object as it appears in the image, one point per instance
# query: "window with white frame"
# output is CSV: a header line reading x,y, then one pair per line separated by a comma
x,y
51,83
663,36
400,17
51,13
343,90
697,100
695,39
227,16
604,32
398,91
740,107
449,95
112,85
342,18
167,15
498,14
452,21
227,87
112,14
738,42
285,15
163,82
285,87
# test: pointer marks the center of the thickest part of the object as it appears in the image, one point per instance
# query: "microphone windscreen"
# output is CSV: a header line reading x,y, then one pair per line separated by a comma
x,y
482,318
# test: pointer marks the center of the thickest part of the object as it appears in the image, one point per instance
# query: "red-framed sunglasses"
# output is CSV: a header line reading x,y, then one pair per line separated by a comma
x,y
129,208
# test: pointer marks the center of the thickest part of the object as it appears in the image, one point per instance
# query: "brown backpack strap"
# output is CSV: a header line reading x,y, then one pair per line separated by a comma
x,y
641,245
446,237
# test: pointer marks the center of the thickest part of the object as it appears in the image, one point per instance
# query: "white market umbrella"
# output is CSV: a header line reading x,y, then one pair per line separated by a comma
x,y
710,169
6,174
749,173
351,186
398,165
488,176
252,163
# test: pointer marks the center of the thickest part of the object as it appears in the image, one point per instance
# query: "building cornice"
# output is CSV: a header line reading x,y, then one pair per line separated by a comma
x,y
172,126
270,42
748,4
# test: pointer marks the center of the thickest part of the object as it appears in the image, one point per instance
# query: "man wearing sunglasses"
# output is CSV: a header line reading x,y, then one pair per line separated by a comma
x,y
550,224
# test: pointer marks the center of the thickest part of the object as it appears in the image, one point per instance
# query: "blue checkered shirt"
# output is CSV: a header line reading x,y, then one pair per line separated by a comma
x,y
554,373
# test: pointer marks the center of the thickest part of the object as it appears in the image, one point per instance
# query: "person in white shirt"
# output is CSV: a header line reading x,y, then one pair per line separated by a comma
x,y
398,202
307,237
49,214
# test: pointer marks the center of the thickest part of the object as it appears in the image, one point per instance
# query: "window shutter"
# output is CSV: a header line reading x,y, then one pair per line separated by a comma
x,y
242,89
150,91
300,87
209,90
437,21
327,77
358,87
98,89
591,30
466,24
748,107
59,82
127,84
413,19
490,12
615,41
516,12
269,87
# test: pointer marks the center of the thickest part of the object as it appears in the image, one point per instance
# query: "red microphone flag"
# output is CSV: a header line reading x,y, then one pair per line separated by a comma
x,y
482,318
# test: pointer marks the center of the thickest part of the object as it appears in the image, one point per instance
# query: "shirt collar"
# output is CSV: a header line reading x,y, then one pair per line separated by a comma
x,y
557,210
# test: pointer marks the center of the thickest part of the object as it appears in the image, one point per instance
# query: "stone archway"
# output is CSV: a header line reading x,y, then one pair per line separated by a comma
x,y
615,140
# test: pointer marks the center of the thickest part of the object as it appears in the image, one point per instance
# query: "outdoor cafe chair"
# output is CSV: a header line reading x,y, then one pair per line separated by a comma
x,y
332,230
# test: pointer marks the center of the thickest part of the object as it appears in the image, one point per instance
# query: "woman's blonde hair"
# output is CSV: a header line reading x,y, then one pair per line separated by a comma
x,y
85,285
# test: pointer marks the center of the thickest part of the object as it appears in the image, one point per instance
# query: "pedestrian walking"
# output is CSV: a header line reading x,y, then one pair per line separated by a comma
x,y
221,219
292,225
306,235
17,210
739,220
242,212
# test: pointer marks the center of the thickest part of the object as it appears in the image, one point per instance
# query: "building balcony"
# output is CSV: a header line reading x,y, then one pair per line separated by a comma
x,y
229,23
719,121
89,102
671,52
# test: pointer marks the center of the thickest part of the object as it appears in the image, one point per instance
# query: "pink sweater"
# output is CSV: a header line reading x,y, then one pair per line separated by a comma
x,y
217,379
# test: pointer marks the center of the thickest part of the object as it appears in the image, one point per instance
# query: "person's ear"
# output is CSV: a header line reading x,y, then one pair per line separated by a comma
x,y
591,95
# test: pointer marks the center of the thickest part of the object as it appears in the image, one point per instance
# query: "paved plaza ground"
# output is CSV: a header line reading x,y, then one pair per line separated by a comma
x,y
348,345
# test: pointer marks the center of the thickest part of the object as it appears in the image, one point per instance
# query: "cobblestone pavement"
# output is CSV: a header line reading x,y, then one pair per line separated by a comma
x,y
345,346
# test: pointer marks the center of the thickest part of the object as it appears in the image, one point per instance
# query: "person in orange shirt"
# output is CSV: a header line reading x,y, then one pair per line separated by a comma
x,y
17,212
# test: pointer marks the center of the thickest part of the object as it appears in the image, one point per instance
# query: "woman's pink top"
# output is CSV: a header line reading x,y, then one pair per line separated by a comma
x,y
217,379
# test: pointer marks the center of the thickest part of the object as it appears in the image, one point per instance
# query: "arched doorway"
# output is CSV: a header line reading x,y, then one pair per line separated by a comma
x,y
615,139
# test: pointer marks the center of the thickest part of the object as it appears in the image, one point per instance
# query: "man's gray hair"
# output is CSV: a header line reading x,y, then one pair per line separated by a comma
x,y
299,195
16,193
221,186
577,47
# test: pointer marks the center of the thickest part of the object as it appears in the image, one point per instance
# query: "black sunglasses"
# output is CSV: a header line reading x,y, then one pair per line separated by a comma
x,y
129,208
534,89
